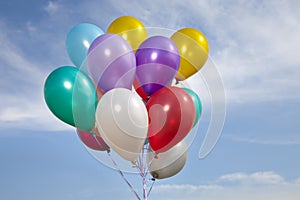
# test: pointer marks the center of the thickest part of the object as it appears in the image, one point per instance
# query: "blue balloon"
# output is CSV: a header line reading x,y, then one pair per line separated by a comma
x,y
78,41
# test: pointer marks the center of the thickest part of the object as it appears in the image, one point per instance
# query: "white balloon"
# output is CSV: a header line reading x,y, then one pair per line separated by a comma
x,y
122,120
169,163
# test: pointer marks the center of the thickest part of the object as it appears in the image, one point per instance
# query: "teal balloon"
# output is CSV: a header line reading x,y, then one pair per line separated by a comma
x,y
197,104
78,41
71,96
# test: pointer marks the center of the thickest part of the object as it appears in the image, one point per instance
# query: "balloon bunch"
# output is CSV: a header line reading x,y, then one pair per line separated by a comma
x,y
120,95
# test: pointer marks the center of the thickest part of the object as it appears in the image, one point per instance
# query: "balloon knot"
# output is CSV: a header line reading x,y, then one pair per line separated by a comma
x,y
134,165
155,175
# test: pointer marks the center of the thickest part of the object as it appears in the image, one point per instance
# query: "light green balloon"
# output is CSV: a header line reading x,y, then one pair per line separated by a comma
x,y
197,104
71,96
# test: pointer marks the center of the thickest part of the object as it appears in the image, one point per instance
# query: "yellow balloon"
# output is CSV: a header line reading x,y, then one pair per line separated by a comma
x,y
193,48
130,28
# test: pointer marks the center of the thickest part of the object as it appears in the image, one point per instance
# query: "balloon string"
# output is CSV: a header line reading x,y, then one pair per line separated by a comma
x,y
141,165
122,175
144,164
118,169
153,181
150,163
147,167
145,188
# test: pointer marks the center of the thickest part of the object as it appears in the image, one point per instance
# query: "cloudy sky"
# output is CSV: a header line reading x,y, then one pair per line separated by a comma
x,y
254,45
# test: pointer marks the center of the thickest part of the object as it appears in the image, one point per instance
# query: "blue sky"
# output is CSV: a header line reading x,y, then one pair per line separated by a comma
x,y
255,47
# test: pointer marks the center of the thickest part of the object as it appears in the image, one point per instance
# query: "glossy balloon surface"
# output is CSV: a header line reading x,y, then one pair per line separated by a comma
x,y
171,116
94,142
197,104
111,62
71,96
193,48
122,121
157,62
169,163
78,41
129,28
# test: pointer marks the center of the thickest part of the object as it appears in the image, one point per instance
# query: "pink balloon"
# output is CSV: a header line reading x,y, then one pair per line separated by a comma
x,y
93,142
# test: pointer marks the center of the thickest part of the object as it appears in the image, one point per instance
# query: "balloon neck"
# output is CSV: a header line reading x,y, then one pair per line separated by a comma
x,y
93,133
133,164
177,82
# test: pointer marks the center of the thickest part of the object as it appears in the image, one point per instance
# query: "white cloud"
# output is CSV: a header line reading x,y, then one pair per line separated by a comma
x,y
287,140
255,178
297,181
234,177
258,185
21,104
257,54
187,187
51,7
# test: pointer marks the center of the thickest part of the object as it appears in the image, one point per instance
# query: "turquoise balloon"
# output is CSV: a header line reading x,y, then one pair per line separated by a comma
x,y
197,104
78,41
71,96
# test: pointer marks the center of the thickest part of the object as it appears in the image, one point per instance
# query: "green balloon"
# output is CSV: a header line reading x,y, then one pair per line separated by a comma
x,y
71,96
197,104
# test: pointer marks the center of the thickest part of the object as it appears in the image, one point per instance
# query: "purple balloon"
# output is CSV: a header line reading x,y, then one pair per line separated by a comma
x,y
157,63
111,62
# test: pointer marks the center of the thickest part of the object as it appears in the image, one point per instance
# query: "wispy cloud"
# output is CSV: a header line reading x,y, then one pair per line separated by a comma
x,y
258,185
285,140
254,178
21,104
187,187
52,7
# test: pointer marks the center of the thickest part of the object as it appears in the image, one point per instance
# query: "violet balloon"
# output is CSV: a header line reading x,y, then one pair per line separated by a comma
x,y
111,62
157,63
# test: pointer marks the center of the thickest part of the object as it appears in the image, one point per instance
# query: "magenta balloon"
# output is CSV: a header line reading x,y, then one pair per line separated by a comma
x,y
93,142
111,62
157,63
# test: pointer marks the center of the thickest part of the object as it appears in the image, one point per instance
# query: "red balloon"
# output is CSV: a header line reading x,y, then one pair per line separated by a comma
x,y
93,142
99,93
171,116
138,88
